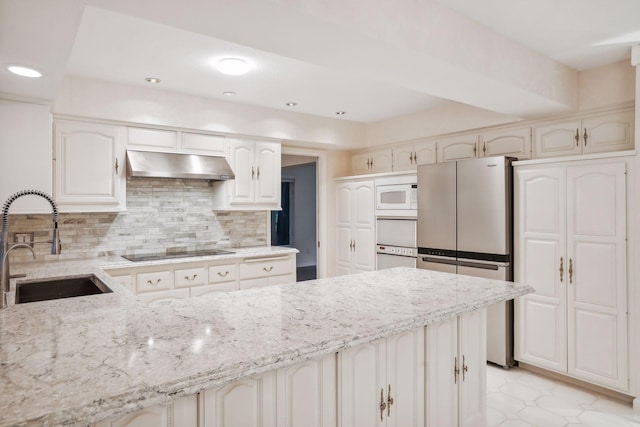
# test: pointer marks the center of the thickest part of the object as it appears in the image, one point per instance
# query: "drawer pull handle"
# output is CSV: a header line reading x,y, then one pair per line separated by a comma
x,y
154,283
192,277
226,273
268,269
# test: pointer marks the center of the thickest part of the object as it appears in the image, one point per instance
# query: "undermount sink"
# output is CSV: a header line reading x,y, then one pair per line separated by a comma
x,y
56,288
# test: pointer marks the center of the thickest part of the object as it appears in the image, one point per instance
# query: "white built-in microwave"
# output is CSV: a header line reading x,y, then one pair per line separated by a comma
x,y
397,197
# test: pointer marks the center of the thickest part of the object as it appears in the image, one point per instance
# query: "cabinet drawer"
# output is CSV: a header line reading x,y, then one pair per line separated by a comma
x,y
265,267
126,281
282,280
171,294
190,277
254,283
223,273
156,281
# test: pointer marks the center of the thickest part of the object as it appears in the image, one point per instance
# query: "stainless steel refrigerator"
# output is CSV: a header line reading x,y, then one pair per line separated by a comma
x,y
465,217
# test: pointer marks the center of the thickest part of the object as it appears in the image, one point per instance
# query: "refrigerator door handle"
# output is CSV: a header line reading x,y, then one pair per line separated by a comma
x,y
435,260
493,266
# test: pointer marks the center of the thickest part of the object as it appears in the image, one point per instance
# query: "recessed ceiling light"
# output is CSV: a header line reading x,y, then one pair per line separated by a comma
x,y
24,71
233,66
229,93
291,104
341,113
152,80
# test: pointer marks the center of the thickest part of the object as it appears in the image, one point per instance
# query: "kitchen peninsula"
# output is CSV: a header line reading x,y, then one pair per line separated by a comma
x,y
83,360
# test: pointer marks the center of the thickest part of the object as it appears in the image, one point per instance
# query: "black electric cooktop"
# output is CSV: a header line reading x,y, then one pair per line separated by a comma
x,y
154,257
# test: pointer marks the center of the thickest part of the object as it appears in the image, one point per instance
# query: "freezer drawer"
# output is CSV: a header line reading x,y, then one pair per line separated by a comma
x,y
390,261
445,265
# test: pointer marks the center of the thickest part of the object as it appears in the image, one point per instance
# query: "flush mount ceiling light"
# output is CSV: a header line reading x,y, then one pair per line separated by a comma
x,y
233,66
341,113
229,93
152,80
291,104
24,71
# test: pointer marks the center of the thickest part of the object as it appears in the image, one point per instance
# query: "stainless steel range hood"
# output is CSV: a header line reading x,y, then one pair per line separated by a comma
x,y
173,165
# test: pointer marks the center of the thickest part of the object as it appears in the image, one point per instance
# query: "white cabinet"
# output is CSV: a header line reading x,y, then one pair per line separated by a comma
x,y
382,382
256,166
307,393
610,132
510,142
376,161
457,148
267,271
211,145
152,139
181,412
456,371
570,237
89,166
246,403
355,227
408,157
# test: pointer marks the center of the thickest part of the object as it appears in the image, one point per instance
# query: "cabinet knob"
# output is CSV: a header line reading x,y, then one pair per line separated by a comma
x,y
117,166
253,173
577,137
258,168
561,268
383,404
464,368
484,148
389,401
456,371
570,270
268,269
223,275
585,136
192,277
150,282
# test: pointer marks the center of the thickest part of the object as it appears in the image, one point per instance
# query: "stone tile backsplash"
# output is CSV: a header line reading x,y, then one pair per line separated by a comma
x,y
162,215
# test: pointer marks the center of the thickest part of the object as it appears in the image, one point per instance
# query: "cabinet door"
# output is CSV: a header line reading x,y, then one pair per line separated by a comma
x,y
425,153
363,226
212,145
472,360
596,248
89,166
512,143
557,139
613,132
268,172
182,412
456,148
307,393
156,139
363,385
344,237
540,245
381,161
403,158
241,158
360,163
406,379
442,383
246,403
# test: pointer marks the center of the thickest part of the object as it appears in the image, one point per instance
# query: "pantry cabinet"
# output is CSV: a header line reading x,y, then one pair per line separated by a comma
x,y
372,162
456,371
256,166
89,166
570,237
408,157
355,227
382,382
595,134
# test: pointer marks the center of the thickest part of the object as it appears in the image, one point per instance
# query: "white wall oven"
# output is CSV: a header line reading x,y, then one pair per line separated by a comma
x,y
397,197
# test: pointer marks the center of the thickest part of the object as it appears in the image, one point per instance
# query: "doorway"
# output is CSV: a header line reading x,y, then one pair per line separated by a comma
x,y
296,224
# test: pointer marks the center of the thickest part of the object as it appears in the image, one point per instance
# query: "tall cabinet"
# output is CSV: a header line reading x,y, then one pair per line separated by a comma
x,y
355,227
570,243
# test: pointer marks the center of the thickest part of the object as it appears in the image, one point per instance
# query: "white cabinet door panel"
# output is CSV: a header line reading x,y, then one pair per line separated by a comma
x,y
355,227
403,158
364,249
241,160
442,387
612,132
363,193
538,341
473,368
267,173
212,145
425,153
512,142
457,148
558,139
147,138
405,379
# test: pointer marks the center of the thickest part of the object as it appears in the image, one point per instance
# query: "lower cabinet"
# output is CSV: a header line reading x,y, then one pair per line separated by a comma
x,y
456,371
182,412
382,382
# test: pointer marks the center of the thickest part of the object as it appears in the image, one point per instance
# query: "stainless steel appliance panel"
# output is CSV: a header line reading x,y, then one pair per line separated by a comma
x,y
437,206
443,264
484,200
390,261
396,232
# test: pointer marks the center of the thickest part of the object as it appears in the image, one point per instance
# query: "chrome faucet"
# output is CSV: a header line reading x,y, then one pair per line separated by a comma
x,y
4,238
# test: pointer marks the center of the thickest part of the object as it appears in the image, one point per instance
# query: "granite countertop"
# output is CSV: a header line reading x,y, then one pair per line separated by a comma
x,y
84,359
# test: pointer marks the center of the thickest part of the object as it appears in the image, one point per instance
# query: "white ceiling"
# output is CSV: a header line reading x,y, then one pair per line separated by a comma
x,y
401,57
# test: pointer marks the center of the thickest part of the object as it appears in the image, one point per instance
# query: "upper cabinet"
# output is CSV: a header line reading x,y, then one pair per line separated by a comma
x,y
610,132
409,156
372,162
151,139
256,165
89,166
457,148
511,142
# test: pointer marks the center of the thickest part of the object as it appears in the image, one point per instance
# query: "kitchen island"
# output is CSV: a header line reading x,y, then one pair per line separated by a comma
x,y
82,360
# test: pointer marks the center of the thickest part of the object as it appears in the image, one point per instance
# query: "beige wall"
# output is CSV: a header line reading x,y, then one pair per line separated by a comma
x,y
612,84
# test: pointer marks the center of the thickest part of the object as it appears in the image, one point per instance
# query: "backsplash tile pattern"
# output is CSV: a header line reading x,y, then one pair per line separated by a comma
x,y
162,215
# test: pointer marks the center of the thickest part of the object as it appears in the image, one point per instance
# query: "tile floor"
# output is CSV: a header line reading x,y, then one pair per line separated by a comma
x,y
520,398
